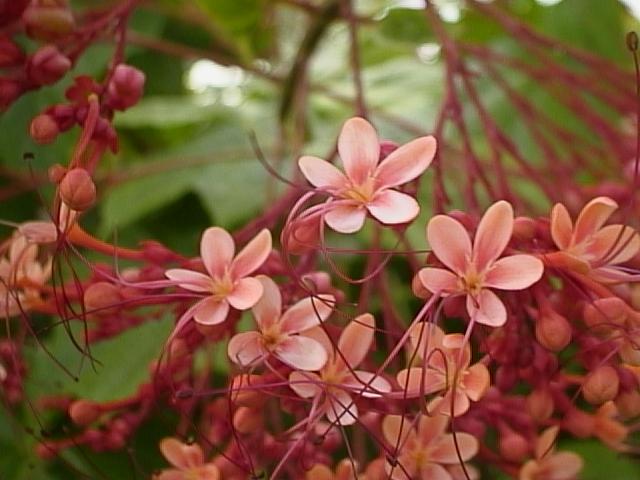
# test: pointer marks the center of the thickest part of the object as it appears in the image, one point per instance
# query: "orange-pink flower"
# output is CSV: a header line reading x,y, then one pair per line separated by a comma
x,y
549,465
425,452
338,380
227,282
277,333
474,270
367,186
588,246
188,461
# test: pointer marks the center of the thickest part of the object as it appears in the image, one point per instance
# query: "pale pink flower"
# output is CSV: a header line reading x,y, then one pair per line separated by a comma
x,y
338,380
278,333
188,461
447,371
588,246
366,185
549,465
476,269
425,452
227,282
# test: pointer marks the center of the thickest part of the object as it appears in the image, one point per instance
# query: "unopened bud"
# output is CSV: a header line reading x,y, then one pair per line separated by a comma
x,y
303,235
10,53
56,173
513,446
125,88
47,65
605,313
540,405
48,20
601,385
628,404
44,129
244,390
77,189
84,412
102,298
247,420
553,331
579,423
506,377
524,228
387,147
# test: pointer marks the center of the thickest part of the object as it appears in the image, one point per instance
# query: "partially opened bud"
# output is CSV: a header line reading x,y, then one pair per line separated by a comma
x,y
84,412
601,385
77,189
44,129
553,331
47,65
125,88
48,19
540,405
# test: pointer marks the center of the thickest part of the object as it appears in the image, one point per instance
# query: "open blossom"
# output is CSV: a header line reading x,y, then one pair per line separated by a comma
x,y
447,371
425,451
548,464
366,185
188,461
227,282
474,270
278,333
588,246
339,380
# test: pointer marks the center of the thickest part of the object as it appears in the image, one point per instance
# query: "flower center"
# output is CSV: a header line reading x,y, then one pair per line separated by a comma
x,y
271,337
221,287
472,282
362,193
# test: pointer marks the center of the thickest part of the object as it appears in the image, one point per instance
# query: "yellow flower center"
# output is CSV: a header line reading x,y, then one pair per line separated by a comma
x,y
221,287
472,282
271,337
362,193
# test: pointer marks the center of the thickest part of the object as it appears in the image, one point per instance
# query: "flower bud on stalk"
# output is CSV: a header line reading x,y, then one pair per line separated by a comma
x,y
601,385
102,298
77,189
84,412
125,88
47,65
44,129
48,20
540,405
513,446
553,331
56,173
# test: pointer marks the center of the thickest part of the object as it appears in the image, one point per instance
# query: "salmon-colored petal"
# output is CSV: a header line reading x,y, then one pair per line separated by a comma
x,y
529,471
563,466
444,450
592,217
246,348
418,381
211,311
302,353
476,381
181,455
468,473
170,474
443,404
252,256
438,280
321,173
305,384
346,218
356,339
493,234
431,427
320,336
392,207
453,343
367,384
397,430
359,149
307,313
39,232
246,293
216,249
208,472
450,242
561,226
425,332
189,280
433,471
515,272
489,309
544,444
340,408
407,162
268,309
613,244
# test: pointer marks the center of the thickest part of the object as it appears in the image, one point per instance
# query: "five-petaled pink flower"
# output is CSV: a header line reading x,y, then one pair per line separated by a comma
x,y
475,270
188,461
548,464
424,452
589,247
367,185
278,332
228,282
338,380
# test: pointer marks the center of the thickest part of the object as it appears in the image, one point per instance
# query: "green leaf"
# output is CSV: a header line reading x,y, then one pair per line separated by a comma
x,y
602,462
167,112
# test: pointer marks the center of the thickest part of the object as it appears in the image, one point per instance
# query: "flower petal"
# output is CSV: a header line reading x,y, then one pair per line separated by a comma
x,y
216,249
269,308
490,309
613,244
252,256
438,280
302,353
433,471
359,149
444,451
493,234
208,472
407,162
305,384
246,348
367,384
392,207
246,293
345,218
340,408
563,465
356,340
515,272
307,313
189,280
430,428
561,226
476,381
181,455
321,173
450,242
592,217
211,311
418,381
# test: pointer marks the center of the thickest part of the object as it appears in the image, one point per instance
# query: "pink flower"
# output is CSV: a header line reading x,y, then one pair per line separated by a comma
x,y
367,185
588,246
447,371
338,380
475,270
425,452
278,332
549,465
227,282
188,461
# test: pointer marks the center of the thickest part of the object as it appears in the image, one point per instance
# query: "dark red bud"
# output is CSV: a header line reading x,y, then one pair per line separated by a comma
x,y
77,189
9,91
47,65
125,88
10,10
44,129
10,53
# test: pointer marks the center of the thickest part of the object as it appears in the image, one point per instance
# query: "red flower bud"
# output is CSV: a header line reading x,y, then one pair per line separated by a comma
x,y
125,88
102,298
10,53
513,446
47,65
540,405
84,412
247,420
77,189
579,423
10,10
553,331
44,129
601,385
48,20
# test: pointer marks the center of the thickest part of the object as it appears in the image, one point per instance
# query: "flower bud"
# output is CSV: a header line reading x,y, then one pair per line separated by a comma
x,y
553,331
601,385
48,20
56,173
245,390
540,405
605,313
10,53
44,129
84,412
11,10
506,377
513,446
303,235
387,147
628,404
247,420
77,189
524,228
125,88
47,65
579,423
102,298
